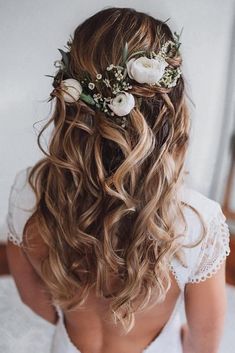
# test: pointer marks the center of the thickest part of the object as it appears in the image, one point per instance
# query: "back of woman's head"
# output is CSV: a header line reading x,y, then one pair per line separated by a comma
x,y
107,195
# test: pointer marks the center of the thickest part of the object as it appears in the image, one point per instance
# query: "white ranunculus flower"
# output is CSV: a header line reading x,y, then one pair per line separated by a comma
x,y
145,70
122,104
72,87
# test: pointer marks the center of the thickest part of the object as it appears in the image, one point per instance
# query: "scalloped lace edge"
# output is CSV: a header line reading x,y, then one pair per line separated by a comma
x,y
173,271
13,239
218,220
204,277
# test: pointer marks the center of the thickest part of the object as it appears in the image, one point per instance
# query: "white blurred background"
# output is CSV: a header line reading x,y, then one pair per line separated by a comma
x,y
31,32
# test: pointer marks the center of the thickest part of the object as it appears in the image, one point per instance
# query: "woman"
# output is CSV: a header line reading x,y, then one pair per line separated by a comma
x,y
107,234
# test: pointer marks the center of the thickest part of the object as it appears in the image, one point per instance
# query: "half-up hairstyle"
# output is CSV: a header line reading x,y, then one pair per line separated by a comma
x,y
107,197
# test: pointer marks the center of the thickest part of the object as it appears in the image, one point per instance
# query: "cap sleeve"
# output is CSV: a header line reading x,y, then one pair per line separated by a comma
x,y
21,205
213,249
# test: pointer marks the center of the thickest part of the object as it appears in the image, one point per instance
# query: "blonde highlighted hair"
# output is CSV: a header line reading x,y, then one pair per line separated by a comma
x,y
107,197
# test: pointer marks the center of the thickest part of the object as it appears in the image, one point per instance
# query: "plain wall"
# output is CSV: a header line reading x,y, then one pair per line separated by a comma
x,y
31,32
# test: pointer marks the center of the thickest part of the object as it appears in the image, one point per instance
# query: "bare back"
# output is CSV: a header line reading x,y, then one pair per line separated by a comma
x,y
89,322
91,329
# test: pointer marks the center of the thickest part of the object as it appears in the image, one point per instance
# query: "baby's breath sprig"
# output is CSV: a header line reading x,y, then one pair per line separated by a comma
x,y
170,77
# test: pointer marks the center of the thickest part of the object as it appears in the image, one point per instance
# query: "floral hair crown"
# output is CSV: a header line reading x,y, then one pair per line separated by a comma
x,y
142,66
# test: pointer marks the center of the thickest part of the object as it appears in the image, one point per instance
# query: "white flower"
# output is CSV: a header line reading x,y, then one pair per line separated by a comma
x,y
71,87
122,104
91,85
107,82
145,70
59,64
98,76
110,67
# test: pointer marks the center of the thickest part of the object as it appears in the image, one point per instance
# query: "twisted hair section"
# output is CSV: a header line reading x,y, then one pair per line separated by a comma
x,y
107,197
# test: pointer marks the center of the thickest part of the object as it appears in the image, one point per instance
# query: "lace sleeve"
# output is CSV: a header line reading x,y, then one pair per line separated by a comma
x,y
214,248
12,234
20,202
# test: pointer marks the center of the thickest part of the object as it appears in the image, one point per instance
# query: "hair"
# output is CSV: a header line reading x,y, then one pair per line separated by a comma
x,y
107,197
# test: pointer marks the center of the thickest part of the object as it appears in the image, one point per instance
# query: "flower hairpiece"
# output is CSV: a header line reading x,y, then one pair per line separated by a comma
x,y
145,67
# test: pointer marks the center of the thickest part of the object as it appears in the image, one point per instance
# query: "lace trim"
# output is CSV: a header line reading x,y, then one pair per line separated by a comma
x,y
14,239
173,271
214,250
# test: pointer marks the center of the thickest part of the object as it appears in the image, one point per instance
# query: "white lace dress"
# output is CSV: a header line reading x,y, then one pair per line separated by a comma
x,y
203,260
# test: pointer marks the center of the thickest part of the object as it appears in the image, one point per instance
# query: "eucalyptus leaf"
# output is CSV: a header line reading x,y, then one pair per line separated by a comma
x,y
139,101
136,53
177,39
124,74
166,20
181,32
119,67
125,53
87,98
64,57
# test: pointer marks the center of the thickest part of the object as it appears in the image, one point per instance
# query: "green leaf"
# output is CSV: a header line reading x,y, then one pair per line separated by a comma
x,y
177,39
166,20
64,57
49,99
181,32
136,53
119,67
124,74
87,98
125,53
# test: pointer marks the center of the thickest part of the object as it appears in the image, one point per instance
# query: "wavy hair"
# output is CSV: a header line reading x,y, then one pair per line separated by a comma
x,y
107,197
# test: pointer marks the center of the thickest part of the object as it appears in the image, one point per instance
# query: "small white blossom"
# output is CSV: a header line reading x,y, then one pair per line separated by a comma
x,y
119,76
107,99
59,64
91,85
97,97
99,76
110,67
107,82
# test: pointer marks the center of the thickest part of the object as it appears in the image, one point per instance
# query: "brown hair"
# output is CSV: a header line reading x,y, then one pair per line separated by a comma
x,y
107,197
